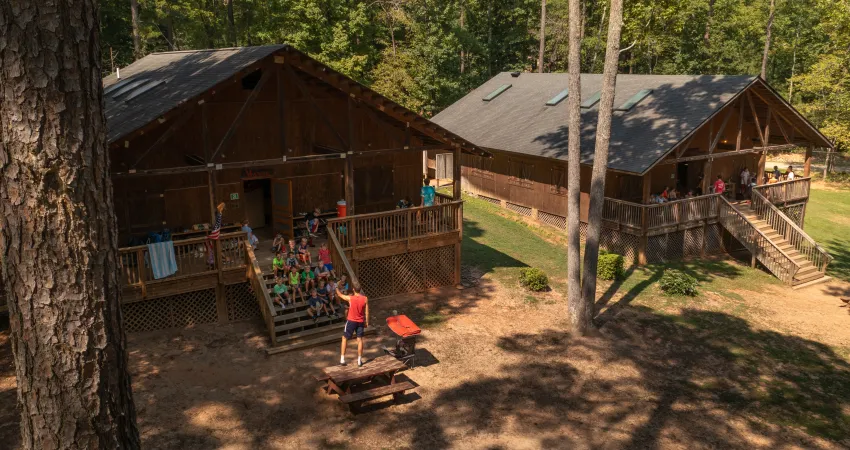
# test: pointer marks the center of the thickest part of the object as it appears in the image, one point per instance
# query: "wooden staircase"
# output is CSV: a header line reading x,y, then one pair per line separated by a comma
x,y
294,329
774,240
807,271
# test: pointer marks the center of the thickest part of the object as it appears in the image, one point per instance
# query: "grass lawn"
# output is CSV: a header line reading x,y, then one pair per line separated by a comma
x,y
828,222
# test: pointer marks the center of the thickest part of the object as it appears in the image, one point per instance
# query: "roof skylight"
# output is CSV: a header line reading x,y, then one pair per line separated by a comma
x,y
592,100
634,100
144,89
558,98
127,88
115,86
497,92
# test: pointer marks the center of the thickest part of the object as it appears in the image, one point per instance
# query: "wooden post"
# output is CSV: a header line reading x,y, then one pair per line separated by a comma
x,y
281,110
707,179
807,166
647,189
140,267
762,162
349,162
459,243
221,303
456,174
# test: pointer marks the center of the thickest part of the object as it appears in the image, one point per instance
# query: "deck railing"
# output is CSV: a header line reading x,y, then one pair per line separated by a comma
x,y
395,226
191,255
768,253
681,211
341,263
785,191
261,292
795,235
622,212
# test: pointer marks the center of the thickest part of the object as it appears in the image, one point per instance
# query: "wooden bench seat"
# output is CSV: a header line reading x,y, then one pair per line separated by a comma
x,y
391,389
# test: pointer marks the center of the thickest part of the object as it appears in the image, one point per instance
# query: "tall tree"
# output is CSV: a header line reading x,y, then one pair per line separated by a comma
x,y
542,36
137,39
767,39
578,311
58,232
600,158
231,25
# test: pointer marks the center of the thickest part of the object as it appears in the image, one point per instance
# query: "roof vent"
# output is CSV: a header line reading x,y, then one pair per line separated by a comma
x,y
515,74
496,93
634,100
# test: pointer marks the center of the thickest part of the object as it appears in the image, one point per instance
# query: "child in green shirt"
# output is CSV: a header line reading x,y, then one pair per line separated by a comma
x,y
295,283
308,277
278,264
281,294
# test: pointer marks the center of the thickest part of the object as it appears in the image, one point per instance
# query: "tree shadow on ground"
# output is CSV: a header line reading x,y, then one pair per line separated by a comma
x,y
652,380
486,257
840,265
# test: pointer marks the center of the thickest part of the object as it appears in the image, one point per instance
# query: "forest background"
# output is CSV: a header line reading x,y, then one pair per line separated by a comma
x,y
426,54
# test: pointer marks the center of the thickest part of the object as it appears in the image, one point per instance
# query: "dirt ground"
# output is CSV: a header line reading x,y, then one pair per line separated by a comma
x,y
497,372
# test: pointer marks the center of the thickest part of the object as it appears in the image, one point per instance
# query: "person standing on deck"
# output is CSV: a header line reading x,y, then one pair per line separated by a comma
x,y
357,321
214,235
719,185
428,193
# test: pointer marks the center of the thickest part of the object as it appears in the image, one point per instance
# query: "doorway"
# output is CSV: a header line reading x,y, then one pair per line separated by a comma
x,y
258,202
682,177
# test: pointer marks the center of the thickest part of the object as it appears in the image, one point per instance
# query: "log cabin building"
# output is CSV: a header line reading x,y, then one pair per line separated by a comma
x,y
273,134
667,132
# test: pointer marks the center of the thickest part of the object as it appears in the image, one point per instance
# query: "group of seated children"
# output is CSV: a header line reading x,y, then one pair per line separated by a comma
x,y
297,276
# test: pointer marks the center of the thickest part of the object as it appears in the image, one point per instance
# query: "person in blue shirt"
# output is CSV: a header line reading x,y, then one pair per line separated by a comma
x,y
428,192
251,238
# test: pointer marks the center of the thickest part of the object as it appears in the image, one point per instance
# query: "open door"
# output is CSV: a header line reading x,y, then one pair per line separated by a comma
x,y
282,207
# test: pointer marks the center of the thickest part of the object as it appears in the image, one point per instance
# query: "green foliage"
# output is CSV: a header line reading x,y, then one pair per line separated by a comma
x,y
534,279
611,266
675,282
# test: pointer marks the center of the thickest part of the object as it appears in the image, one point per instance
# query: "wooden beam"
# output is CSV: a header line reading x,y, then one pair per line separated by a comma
x,y
237,121
281,106
772,148
303,89
177,124
720,132
794,127
767,128
422,148
225,166
755,117
778,120
807,165
681,151
740,123
456,174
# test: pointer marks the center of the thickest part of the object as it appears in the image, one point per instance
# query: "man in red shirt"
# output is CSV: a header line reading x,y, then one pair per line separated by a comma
x,y
357,321
719,185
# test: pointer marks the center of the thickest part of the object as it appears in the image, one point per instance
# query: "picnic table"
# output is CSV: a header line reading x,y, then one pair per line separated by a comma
x,y
378,373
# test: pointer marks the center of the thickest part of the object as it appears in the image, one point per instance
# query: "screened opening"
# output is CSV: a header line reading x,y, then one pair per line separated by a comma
x,y
592,100
497,92
634,100
558,98
249,82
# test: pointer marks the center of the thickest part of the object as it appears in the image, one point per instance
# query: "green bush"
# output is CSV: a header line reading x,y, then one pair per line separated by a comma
x,y
674,282
611,266
534,279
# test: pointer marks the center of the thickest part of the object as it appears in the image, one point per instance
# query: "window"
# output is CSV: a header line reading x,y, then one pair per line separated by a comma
x,y
520,174
634,100
592,100
559,181
497,92
558,98
480,167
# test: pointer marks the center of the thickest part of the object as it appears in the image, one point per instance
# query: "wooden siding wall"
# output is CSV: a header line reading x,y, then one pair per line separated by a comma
x,y
175,201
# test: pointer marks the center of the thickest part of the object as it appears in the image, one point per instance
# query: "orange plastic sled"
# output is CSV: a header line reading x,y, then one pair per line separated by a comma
x,y
403,326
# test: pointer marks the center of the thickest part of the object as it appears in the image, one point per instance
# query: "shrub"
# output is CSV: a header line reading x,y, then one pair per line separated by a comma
x,y
534,279
611,266
674,282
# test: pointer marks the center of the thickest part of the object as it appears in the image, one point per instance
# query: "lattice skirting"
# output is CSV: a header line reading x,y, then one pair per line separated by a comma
x,y
553,220
241,302
494,201
407,272
620,243
176,311
519,209
684,244
794,212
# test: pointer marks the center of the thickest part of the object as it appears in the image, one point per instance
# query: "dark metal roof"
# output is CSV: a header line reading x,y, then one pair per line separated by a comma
x,y
519,120
183,75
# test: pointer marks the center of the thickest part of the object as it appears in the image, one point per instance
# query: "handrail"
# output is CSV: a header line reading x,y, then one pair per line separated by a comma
x,y
197,240
384,213
781,223
799,189
784,272
261,292
780,183
337,250
675,212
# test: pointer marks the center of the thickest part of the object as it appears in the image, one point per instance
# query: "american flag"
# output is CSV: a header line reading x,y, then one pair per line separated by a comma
x,y
216,231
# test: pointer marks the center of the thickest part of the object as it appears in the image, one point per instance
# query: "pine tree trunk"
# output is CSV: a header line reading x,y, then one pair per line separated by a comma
x,y
137,40
58,231
462,53
542,36
707,36
231,24
577,308
600,160
767,39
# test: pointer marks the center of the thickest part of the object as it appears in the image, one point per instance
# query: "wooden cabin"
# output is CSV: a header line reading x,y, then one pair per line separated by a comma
x,y
273,134
668,131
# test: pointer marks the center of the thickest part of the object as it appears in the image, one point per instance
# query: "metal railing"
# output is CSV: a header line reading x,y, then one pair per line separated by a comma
x,y
799,239
785,191
766,251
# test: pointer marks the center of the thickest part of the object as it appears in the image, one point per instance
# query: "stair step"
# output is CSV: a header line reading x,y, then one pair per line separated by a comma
x,y
307,323
334,329
323,340
804,284
807,278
